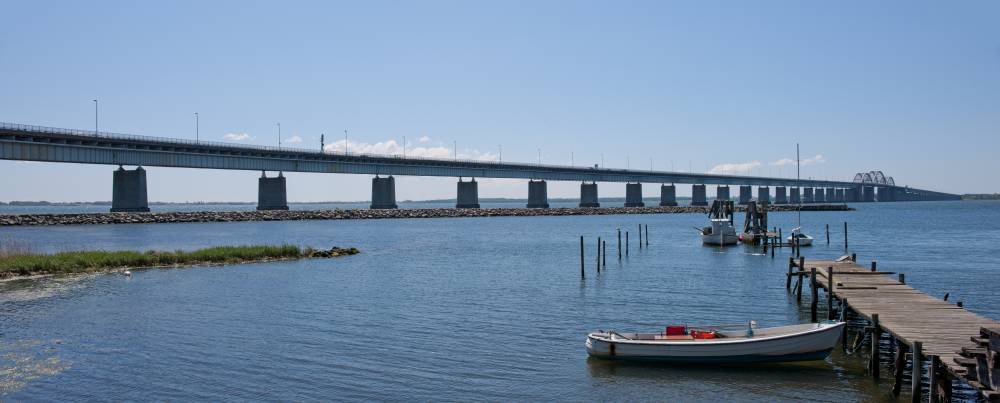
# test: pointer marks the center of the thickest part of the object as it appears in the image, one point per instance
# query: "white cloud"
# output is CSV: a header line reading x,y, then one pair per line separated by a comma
x,y
818,159
236,136
424,139
391,147
294,139
735,168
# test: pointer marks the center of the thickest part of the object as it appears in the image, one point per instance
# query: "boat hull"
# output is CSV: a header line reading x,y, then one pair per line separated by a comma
x,y
719,239
807,345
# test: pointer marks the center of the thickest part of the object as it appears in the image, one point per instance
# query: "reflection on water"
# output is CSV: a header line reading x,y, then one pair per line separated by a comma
x,y
451,309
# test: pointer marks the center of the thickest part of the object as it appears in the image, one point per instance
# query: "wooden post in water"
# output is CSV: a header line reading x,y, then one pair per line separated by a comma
x,y
854,257
829,293
604,254
915,371
815,294
626,243
619,244
874,265
873,363
843,334
647,234
583,274
828,234
933,378
788,281
772,246
898,365
598,256
845,236
640,236
781,239
798,285
902,278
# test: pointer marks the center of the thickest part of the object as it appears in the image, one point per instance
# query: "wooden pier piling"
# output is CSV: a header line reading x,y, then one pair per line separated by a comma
x,y
626,243
815,294
788,280
873,363
619,244
640,236
583,274
899,364
646,226
828,234
916,369
845,236
598,254
604,254
829,294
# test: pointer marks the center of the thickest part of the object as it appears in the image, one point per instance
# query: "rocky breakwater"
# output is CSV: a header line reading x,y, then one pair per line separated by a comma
x,y
354,214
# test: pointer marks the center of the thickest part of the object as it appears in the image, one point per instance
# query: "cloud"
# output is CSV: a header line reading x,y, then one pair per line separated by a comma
x,y
236,136
424,139
735,168
294,139
391,147
818,159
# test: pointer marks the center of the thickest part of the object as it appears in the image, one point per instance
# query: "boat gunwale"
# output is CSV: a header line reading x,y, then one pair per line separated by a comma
x,y
701,342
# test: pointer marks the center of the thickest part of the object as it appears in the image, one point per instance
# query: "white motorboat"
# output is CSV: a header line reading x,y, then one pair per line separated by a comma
x,y
798,238
721,230
805,342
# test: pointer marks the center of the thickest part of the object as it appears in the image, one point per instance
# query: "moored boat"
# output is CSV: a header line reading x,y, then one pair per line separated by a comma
x,y
804,342
721,230
798,238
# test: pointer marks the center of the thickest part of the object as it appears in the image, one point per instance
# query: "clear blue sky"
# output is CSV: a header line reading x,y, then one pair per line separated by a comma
x,y
909,87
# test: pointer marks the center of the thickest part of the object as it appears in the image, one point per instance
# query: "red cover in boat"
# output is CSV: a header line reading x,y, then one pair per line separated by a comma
x,y
702,334
676,330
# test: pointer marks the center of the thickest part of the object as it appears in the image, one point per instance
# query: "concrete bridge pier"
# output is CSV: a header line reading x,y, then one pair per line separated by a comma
x,y
271,194
840,195
794,197
668,195
746,193
538,194
384,193
780,196
867,194
698,196
468,194
820,195
722,192
588,195
763,194
831,195
807,195
633,195
128,193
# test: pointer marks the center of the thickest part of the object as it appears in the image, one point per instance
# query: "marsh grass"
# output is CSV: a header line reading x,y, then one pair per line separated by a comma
x,y
24,263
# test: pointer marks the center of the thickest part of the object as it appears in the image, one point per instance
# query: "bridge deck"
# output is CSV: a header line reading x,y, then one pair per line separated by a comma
x,y
906,313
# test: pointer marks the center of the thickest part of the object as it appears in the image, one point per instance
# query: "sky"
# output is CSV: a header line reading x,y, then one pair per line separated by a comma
x,y
911,88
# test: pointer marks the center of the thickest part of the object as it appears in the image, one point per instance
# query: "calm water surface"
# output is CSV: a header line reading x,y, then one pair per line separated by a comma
x,y
451,309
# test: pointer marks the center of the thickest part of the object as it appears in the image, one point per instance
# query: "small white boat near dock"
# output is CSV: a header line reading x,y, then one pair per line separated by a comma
x,y
721,230
804,342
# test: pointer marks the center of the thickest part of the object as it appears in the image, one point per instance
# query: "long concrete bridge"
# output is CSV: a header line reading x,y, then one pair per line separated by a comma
x,y
47,144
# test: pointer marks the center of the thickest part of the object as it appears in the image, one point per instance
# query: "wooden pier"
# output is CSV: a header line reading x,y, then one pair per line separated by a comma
x,y
955,343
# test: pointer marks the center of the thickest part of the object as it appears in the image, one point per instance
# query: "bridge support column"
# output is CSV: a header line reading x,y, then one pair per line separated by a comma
x,y
129,191
867,194
780,196
384,193
698,196
807,195
722,192
841,195
633,195
588,195
763,194
746,193
852,195
538,194
819,195
793,195
468,194
831,195
271,193
668,195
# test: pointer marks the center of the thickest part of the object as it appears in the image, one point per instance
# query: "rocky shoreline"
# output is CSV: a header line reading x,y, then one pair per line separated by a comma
x,y
354,214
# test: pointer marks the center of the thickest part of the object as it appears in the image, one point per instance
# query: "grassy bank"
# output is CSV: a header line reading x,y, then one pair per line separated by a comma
x,y
23,264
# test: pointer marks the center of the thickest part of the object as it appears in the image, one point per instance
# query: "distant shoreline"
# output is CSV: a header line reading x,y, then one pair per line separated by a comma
x,y
355,214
